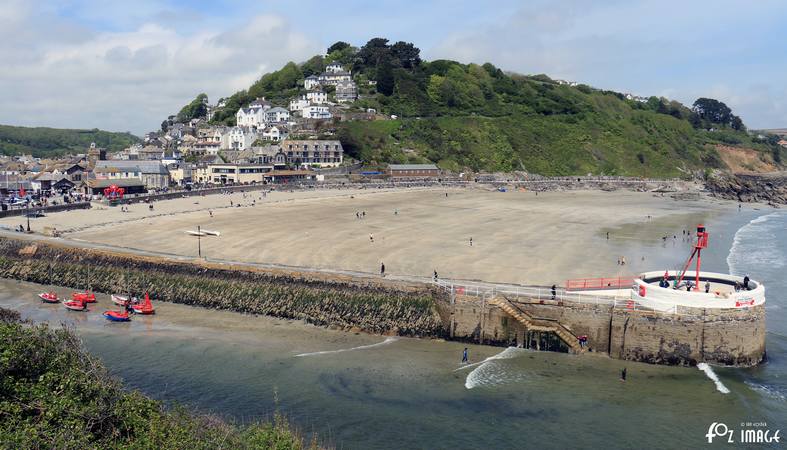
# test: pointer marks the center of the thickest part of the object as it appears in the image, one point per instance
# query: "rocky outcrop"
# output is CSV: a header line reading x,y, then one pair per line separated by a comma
x,y
766,188
346,304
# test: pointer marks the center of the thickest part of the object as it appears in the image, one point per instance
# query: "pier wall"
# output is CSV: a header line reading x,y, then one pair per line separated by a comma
x,y
734,337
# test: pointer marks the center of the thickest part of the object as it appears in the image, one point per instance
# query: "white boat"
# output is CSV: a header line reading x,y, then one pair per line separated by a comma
x,y
196,233
122,300
211,233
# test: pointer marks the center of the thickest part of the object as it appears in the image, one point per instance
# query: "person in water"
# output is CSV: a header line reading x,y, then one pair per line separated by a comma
x,y
464,355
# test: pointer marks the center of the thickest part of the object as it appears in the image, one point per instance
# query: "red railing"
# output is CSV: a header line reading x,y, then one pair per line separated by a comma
x,y
580,284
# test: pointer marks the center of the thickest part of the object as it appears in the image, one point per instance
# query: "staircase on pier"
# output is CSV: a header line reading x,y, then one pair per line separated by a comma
x,y
538,324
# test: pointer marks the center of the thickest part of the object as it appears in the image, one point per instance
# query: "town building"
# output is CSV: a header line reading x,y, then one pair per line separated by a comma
x,y
130,186
317,96
277,115
299,103
321,153
413,170
316,112
238,138
334,67
153,174
346,91
232,173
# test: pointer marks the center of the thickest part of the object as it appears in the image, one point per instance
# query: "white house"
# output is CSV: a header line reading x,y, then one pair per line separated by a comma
x,y
311,82
334,78
277,115
274,133
250,117
346,91
238,138
316,112
317,97
334,67
299,104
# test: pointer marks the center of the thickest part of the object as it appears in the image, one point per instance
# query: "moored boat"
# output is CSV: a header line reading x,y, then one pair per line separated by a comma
x,y
146,307
87,296
117,316
76,305
49,297
123,300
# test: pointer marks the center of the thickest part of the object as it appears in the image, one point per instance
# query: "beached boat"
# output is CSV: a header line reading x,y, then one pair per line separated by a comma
x,y
87,296
117,316
211,233
196,233
49,297
146,307
76,305
123,300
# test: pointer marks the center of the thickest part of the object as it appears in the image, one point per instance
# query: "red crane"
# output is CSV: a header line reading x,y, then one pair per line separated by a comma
x,y
702,242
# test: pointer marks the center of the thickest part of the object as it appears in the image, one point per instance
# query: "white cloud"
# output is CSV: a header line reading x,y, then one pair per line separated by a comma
x,y
58,74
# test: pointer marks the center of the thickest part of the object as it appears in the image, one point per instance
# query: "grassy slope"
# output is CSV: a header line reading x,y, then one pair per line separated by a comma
x,y
55,395
44,142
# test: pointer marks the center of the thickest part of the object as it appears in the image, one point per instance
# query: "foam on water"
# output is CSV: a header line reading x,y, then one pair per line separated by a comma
x,y
490,372
769,391
753,245
387,340
715,378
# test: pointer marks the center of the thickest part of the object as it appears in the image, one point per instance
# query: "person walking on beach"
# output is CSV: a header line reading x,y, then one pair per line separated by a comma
x,y
371,237
607,235
435,275
210,211
382,269
471,241
464,356
554,291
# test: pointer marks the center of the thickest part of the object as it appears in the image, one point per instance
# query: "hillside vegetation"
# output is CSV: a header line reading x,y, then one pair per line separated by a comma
x,y
478,117
46,142
55,395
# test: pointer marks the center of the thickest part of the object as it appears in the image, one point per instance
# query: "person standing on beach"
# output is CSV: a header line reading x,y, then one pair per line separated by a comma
x,y
707,287
554,291
382,269
464,353
371,237
623,375
471,241
210,211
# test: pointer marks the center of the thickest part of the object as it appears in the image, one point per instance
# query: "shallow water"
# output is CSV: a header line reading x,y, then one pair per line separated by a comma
x,y
367,392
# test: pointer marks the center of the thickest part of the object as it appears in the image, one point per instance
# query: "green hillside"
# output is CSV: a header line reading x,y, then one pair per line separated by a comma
x,y
470,116
45,142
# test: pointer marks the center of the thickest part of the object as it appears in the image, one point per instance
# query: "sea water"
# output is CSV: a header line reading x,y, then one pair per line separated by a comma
x,y
371,392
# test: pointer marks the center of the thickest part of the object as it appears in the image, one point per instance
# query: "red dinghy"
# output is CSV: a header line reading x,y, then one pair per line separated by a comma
x,y
117,316
145,307
76,305
87,297
49,297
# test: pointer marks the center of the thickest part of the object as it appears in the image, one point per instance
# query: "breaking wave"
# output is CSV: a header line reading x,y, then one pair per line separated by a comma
x,y
490,372
753,246
387,340
769,391
715,378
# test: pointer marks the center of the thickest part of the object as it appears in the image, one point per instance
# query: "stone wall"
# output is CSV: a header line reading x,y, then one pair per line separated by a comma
x,y
46,210
725,337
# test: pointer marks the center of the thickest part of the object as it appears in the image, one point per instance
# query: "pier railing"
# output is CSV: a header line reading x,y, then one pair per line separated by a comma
x,y
544,294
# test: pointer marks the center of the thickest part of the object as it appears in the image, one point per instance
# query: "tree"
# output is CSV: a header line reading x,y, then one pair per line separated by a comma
x,y
338,46
713,111
407,54
197,108
373,53
385,78
737,124
164,125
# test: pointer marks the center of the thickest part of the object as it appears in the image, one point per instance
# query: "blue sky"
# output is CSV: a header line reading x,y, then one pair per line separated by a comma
x,y
127,65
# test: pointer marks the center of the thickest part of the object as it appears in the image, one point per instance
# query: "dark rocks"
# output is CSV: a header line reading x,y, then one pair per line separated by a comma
x,y
765,188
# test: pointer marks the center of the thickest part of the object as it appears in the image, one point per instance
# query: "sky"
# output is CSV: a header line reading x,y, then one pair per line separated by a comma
x,y
125,66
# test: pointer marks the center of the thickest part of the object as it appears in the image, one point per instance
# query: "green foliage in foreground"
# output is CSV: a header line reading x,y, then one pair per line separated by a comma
x,y
55,395
47,142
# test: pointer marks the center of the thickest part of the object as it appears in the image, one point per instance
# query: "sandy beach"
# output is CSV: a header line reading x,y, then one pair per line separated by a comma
x,y
517,236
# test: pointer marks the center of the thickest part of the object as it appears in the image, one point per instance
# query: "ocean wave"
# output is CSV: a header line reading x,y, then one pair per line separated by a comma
x,y
490,372
387,340
768,391
715,378
753,244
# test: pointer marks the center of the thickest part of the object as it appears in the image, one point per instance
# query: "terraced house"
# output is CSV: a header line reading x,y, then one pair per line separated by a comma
x,y
320,153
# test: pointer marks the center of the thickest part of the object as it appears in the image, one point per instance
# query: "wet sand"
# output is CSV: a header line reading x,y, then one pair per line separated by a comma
x,y
518,237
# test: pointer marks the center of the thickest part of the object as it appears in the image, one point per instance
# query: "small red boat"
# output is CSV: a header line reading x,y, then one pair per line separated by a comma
x,y
146,307
117,316
87,296
49,297
76,305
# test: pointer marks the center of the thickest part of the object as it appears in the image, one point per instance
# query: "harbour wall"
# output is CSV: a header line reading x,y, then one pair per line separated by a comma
x,y
733,337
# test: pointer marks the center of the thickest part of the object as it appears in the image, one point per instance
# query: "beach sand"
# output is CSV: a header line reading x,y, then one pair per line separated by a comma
x,y
518,237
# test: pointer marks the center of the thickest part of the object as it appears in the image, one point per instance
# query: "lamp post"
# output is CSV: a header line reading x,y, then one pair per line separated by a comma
x,y
199,242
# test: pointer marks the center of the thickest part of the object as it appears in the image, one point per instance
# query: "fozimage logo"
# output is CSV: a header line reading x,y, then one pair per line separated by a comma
x,y
749,433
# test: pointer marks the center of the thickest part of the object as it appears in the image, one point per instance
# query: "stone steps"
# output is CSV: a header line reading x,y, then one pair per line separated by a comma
x,y
529,322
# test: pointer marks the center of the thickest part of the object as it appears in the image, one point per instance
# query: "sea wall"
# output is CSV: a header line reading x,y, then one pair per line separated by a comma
x,y
45,209
734,337
341,302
